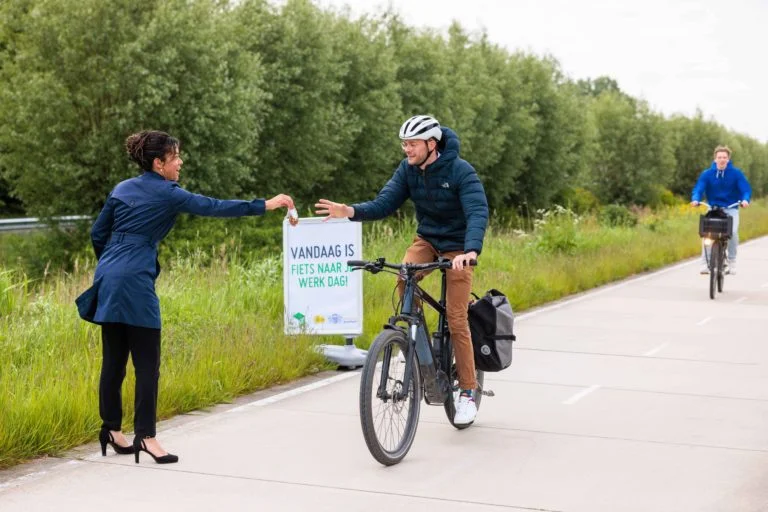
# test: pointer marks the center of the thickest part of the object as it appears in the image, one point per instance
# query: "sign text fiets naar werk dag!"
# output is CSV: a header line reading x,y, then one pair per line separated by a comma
x,y
321,294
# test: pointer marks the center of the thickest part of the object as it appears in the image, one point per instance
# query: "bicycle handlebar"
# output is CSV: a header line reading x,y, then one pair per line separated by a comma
x,y
380,264
723,207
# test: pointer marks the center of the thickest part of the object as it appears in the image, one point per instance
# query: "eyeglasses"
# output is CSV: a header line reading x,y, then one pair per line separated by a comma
x,y
411,143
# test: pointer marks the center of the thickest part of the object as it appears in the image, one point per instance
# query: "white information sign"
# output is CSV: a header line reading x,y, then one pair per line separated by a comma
x,y
321,295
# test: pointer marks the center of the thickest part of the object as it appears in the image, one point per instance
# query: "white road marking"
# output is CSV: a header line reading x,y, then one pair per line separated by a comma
x,y
765,285
741,299
706,320
656,350
581,394
295,392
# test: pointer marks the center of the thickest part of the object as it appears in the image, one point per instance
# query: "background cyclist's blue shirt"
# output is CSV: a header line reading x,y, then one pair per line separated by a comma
x,y
451,207
722,189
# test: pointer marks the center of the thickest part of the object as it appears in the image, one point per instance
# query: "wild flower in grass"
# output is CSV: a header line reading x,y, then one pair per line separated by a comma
x,y
556,230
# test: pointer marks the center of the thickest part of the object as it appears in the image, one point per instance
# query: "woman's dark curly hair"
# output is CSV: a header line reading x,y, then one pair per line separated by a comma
x,y
145,146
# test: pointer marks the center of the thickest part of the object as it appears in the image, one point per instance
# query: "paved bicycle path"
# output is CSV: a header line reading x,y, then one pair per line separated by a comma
x,y
641,396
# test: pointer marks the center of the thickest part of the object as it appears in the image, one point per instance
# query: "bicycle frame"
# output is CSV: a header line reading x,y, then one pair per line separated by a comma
x,y
435,380
420,349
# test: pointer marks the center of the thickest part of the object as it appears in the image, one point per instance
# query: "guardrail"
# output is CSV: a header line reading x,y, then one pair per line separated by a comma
x,y
33,223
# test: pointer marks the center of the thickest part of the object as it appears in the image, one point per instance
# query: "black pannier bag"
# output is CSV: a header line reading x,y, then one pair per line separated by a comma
x,y
491,322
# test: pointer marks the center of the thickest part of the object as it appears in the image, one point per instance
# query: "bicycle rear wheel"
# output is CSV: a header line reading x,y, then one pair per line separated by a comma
x,y
714,268
389,425
453,377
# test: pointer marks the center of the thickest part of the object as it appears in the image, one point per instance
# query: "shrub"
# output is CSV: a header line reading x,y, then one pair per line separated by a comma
x,y
615,215
661,196
580,200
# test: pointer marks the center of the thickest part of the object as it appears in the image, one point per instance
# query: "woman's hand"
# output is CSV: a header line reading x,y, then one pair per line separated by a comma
x,y
279,201
333,210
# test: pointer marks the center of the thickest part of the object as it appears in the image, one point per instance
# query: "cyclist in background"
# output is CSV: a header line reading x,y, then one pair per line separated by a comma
x,y
723,185
452,215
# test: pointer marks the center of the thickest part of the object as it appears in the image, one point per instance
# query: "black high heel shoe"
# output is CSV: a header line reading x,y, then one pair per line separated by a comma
x,y
139,445
105,437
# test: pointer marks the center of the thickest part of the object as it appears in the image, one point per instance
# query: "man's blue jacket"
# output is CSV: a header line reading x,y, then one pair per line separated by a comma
x,y
722,188
451,207
138,214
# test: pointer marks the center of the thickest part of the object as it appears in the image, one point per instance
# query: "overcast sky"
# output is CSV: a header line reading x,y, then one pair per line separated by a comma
x,y
679,55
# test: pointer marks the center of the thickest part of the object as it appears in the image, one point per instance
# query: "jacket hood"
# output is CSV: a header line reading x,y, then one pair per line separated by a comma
x,y
449,145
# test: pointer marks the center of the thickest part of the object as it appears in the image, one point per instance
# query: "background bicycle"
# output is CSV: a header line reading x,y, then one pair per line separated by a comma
x,y
716,228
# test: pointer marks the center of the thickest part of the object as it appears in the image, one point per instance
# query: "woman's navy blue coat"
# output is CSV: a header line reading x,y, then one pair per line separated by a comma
x,y
138,214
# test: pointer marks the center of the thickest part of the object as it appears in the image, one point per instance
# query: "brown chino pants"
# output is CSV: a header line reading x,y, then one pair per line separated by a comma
x,y
459,287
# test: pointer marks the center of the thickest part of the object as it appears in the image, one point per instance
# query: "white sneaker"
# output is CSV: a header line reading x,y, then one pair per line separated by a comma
x,y
466,410
704,269
731,269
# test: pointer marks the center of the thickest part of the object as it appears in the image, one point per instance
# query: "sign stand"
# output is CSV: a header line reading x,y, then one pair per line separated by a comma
x,y
321,294
347,355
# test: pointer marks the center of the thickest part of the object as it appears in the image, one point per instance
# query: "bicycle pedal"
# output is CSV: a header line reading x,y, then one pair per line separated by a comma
x,y
488,392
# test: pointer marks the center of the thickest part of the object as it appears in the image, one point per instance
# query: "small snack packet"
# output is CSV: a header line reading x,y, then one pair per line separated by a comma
x,y
293,216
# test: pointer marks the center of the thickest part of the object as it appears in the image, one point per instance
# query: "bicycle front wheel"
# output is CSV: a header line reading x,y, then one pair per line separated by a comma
x,y
389,423
453,378
714,268
721,267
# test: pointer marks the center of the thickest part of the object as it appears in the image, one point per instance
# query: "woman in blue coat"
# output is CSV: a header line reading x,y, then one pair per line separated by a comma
x,y
138,214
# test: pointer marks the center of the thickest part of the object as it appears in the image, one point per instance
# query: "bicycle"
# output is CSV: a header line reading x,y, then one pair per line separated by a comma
x,y
405,363
716,228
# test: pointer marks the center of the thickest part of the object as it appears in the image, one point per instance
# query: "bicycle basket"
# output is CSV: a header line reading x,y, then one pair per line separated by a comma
x,y
715,226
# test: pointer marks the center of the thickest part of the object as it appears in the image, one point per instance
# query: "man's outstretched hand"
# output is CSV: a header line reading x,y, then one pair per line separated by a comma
x,y
333,210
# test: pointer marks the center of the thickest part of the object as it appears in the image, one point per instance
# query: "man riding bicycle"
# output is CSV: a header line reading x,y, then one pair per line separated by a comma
x,y
723,185
452,215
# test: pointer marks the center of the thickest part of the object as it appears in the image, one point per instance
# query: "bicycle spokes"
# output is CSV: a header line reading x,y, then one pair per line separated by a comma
x,y
389,401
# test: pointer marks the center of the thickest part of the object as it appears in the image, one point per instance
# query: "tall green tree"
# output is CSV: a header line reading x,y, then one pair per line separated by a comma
x,y
633,156
87,73
12,15
559,138
749,155
307,126
693,140
370,94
